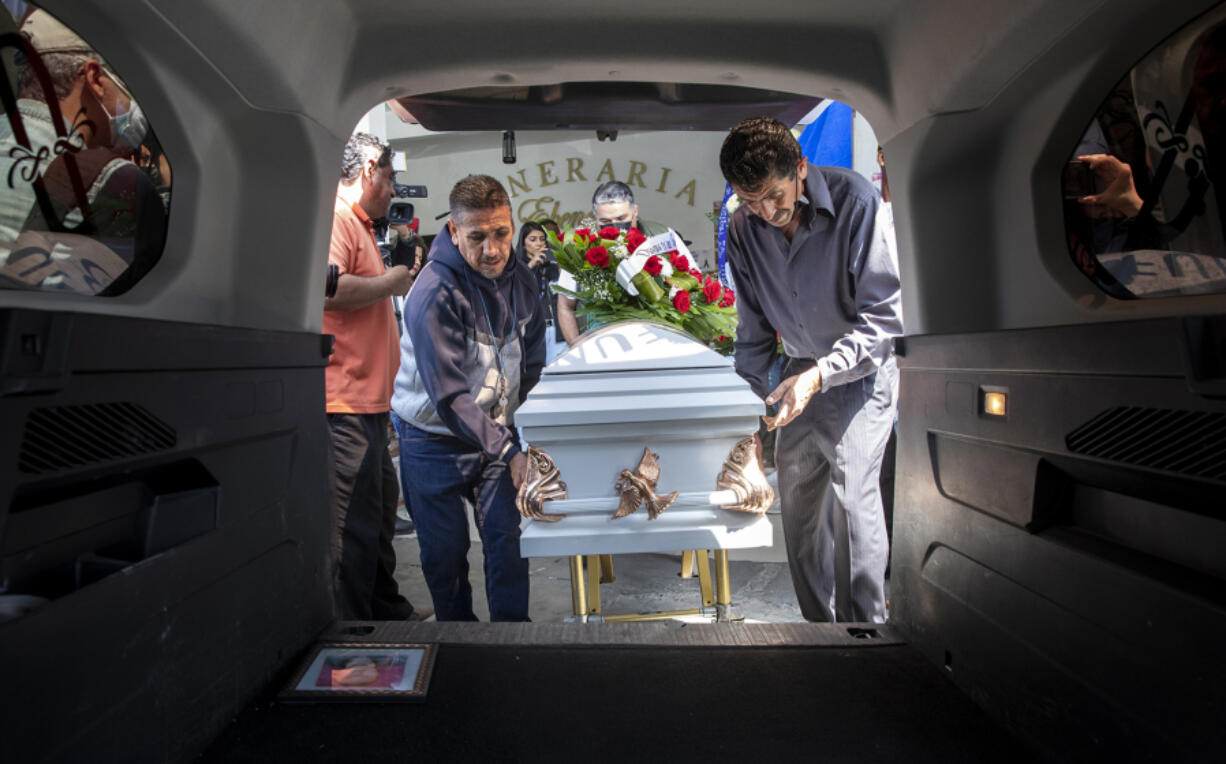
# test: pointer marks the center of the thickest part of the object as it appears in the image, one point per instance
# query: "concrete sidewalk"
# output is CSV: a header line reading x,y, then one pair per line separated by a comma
x,y
761,591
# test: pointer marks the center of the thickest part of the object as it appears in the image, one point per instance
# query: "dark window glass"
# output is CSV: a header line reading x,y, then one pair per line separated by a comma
x,y
84,185
1145,190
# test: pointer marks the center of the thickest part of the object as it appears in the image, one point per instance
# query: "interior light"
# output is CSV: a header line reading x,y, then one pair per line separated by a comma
x,y
994,404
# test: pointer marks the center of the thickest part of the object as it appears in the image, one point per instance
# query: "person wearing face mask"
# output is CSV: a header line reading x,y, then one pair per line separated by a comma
x,y
612,205
89,198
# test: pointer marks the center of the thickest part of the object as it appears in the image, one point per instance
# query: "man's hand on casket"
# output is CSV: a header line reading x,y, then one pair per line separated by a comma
x,y
536,479
793,395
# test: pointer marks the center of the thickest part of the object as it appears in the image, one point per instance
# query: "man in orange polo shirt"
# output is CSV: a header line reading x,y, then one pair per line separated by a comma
x,y
360,373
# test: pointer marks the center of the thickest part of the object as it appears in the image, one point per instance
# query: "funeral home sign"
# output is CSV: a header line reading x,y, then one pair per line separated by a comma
x,y
675,175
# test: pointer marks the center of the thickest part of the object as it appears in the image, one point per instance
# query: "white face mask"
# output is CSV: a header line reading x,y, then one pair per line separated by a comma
x,y
128,129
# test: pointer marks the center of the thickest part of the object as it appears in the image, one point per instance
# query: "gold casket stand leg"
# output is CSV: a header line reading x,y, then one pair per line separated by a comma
x,y
588,572
578,591
687,565
606,569
592,565
723,588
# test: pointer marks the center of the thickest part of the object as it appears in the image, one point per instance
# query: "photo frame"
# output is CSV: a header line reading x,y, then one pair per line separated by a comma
x,y
347,671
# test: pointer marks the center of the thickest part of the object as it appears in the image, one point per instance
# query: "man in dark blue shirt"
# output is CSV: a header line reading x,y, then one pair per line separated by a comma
x,y
811,261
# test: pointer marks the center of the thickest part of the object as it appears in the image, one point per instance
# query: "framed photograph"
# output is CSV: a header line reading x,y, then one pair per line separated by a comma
x,y
355,671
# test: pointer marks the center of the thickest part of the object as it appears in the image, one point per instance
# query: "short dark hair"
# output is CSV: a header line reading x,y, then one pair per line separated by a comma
x,y
612,192
477,192
758,150
360,149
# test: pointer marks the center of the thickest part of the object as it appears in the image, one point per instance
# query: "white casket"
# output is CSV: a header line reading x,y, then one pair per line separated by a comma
x,y
623,388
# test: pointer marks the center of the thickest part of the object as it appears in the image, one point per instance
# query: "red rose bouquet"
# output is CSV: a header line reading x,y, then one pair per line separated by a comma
x,y
597,257
624,275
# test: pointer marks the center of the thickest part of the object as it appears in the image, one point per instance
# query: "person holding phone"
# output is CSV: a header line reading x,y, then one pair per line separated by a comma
x,y
533,251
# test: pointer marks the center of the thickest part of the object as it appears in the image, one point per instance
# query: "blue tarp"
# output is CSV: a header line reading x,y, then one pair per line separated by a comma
x,y
826,142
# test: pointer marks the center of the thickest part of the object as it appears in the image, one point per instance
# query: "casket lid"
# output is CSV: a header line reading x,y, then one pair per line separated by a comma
x,y
639,372
636,346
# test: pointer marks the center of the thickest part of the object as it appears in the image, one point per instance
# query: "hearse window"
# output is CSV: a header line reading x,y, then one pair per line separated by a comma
x,y
1145,190
84,185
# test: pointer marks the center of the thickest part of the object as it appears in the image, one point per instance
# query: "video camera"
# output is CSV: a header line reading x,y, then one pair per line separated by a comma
x,y
395,251
401,213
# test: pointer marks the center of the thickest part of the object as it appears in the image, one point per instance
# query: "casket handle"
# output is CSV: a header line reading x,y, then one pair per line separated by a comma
x,y
744,476
542,482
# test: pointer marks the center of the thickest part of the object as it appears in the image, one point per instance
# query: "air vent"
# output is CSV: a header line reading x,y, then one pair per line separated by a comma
x,y
63,437
1187,442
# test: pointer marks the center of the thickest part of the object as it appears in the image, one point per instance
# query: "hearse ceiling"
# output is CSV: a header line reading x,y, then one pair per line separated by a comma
x,y
601,106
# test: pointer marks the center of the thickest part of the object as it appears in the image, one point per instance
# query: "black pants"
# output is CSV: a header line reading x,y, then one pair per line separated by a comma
x,y
364,500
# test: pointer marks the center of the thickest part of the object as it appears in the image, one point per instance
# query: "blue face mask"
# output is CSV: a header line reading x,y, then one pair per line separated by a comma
x,y
128,129
622,224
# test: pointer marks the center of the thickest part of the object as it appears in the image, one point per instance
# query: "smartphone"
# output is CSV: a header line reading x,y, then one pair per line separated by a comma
x,y
1079,180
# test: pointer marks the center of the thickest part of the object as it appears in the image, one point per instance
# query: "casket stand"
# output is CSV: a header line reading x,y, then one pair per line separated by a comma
x,y
621,395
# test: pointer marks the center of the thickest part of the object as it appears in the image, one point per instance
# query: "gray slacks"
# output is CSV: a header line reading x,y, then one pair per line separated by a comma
x,y
829,461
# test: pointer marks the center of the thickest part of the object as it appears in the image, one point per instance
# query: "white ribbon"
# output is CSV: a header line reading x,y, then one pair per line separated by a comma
x,y
628,269
666,242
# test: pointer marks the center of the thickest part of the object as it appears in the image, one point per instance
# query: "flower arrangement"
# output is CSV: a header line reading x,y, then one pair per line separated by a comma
x,y
621,275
